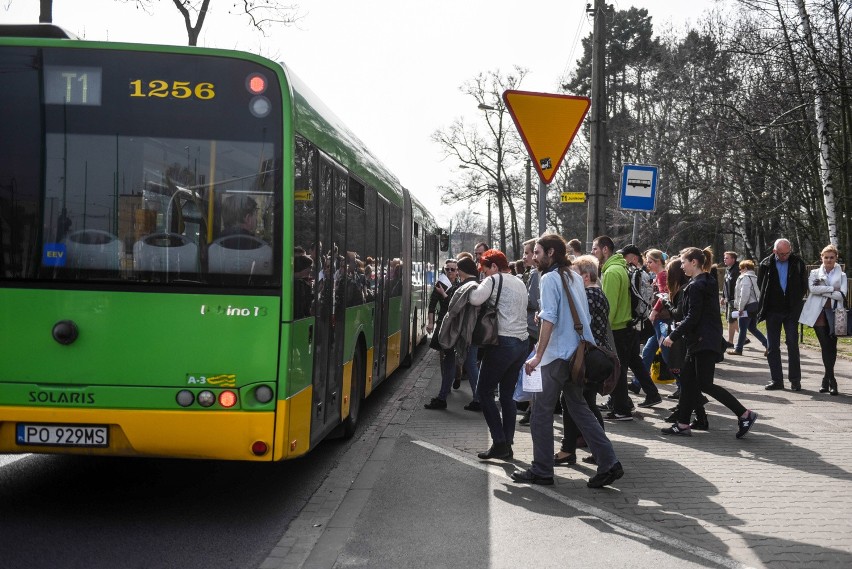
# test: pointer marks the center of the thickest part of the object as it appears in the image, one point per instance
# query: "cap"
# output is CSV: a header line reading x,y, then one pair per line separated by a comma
x,y
467,266
630,249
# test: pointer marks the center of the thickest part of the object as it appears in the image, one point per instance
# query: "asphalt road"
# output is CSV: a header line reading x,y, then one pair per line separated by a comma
x,y
82,512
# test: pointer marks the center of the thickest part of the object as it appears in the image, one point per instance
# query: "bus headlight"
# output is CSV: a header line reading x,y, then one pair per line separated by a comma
x,y
260,106
185,398
263,394
206,398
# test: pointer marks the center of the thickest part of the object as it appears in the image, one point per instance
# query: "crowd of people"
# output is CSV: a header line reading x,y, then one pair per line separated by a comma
x,y
647,308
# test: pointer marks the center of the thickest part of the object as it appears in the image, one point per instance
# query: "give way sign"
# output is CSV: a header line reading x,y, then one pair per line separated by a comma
x,y
547,123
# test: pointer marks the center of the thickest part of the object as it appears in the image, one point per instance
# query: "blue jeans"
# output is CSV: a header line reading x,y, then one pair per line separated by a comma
x,y
789,321
749,324
448,372
501,365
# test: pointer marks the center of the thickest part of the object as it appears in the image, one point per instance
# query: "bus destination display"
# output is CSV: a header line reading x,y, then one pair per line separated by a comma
x,y
72,85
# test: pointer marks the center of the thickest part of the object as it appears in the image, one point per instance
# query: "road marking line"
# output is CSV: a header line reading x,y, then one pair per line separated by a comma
x,y
599,513
10,458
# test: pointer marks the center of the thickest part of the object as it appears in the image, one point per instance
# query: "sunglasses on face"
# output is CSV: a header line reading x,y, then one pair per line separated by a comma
x,y
450,270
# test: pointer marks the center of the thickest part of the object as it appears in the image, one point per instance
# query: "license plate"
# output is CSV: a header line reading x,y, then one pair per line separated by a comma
x,y
63,435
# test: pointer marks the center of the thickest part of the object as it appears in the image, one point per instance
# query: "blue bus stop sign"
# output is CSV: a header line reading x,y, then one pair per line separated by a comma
x,y
638,188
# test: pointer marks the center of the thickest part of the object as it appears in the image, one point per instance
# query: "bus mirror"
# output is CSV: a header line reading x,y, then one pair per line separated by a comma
x,y
444,240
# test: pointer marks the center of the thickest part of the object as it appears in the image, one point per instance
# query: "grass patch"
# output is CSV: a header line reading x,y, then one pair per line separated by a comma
x,y
807,338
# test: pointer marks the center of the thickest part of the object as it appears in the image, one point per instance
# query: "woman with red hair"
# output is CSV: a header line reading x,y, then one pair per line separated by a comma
x,y
501,363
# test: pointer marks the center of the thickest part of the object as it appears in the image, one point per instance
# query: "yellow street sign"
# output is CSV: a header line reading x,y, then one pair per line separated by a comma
x,y
547,124
303,195
572,197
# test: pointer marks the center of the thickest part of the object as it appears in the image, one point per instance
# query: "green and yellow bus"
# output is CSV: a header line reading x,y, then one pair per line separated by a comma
x,y
197,258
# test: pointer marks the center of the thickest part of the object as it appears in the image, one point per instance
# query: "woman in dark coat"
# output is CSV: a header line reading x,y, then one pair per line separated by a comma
x,y
701,329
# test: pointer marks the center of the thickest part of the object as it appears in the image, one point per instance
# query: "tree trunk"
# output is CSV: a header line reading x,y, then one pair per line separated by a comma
x,y
45,15
192,32
846,129
820,109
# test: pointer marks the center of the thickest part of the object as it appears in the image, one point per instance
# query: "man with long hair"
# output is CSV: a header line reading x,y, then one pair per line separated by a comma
x,y
557,342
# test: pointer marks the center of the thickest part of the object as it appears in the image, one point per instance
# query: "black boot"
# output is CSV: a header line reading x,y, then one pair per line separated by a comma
x,y
832,384
497,450
700,423
824,388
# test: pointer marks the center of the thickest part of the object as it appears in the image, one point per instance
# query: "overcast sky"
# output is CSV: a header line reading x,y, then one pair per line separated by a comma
x,y
390,69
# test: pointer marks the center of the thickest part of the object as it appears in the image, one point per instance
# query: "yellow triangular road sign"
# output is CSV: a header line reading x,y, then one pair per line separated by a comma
x,y
547,124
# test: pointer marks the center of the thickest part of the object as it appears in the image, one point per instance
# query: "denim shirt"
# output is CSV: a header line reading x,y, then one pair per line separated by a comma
x,y
783,268
556,310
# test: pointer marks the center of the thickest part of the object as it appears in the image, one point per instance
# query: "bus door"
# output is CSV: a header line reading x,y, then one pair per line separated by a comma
x,y
380,338
329,301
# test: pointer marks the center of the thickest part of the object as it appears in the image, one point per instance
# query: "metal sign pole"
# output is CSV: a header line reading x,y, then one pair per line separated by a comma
x,y
542,205
635,227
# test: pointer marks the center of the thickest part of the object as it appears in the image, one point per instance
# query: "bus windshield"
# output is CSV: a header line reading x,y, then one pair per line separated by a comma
x,y
135,167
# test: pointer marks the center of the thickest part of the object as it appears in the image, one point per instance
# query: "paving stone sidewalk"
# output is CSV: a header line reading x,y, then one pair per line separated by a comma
x,y
780,497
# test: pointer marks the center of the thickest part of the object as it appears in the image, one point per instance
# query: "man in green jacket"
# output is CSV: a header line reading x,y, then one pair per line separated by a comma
x,y
615,284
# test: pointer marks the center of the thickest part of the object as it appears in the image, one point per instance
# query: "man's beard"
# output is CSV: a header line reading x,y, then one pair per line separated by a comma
x,y
542,267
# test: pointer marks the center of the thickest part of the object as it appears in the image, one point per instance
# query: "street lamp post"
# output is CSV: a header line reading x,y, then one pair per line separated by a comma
x,y
488,230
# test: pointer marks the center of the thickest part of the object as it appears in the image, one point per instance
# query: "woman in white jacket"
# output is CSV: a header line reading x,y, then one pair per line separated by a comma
x,y
746,296
828,287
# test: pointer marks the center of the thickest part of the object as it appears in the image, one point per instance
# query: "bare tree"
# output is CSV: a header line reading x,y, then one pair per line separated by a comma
x,y
487,158
261,13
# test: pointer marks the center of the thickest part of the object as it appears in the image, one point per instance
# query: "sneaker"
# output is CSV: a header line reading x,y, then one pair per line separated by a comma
x,y
634,387
436,404
602,479
734,352
674,395
746,424
473,406
606,406
700,425
651,401
676,430
613,416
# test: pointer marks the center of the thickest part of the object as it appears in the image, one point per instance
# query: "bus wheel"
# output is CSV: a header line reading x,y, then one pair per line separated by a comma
x,y
356,394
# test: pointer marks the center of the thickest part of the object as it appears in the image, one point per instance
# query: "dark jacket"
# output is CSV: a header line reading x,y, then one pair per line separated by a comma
x,y
701,326
732,273
772,298
439,305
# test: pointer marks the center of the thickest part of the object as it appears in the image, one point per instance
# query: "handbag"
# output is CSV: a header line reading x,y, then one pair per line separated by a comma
x,y
485,331
590,362
841,319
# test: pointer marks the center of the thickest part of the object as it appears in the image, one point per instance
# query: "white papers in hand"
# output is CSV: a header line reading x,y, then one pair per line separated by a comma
x,y
532,382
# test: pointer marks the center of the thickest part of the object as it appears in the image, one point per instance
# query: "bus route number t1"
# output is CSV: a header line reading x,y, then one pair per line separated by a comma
x,y
65,85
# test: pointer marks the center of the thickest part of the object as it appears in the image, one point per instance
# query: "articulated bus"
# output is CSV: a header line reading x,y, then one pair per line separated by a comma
x,y
197,259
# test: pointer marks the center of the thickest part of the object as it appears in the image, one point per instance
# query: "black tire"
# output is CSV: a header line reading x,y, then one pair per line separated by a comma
x,y
356,394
